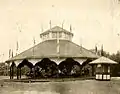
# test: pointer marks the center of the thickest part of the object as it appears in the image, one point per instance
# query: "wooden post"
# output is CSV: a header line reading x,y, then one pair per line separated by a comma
x,y
17,73
92,70
34,73
10,72
109,69
20,73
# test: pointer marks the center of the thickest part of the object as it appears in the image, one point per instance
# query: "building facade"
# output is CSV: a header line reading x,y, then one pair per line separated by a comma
x,y
56,54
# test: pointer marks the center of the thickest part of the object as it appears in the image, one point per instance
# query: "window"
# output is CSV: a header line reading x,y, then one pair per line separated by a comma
x,y
54,35
60,35
67,36
47,35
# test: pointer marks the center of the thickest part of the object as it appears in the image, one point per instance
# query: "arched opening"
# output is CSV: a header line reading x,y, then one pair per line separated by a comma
x,y
70,67
12,70
87,70
25,68
46,68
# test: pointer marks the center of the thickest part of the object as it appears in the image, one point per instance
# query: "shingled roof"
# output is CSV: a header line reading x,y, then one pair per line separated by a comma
x,y
103,60
48,49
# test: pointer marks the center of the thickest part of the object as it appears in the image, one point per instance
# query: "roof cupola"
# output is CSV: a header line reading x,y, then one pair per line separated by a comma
x,y
55,33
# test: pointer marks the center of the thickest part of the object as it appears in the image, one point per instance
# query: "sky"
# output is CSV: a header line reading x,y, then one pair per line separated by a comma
x,y
94,22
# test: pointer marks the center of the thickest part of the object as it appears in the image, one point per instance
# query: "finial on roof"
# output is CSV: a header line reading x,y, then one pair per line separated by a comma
x,y
9,53
102,52
70,28
63,23
50,24
41,27
34,41
17,47
81,44
96,50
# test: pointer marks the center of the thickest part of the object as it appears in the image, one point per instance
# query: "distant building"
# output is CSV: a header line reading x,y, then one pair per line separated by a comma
x,y
56,49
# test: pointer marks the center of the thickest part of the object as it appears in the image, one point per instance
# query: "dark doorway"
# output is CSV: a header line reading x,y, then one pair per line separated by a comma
x,y
87,70
25,68
70,67
46,68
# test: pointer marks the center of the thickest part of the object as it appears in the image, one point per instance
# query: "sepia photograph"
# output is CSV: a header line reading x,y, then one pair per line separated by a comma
x,y
60,47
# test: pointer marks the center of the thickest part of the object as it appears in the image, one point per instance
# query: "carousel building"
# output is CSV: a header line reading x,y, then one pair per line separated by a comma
x,y
55,54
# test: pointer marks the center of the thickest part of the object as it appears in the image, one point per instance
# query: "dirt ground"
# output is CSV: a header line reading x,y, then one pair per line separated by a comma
x,y
67,87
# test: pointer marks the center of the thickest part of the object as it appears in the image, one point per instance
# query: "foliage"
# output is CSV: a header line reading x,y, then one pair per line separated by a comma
x,y
115,69
70,67
3,69
46,68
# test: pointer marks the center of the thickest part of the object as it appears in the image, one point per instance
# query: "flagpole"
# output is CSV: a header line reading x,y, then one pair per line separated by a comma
x,y
50,24
41,27
96,49
63,23
12,53
102,52
33,45
58,44
70,28
17,47
9,53
81,45
17,42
